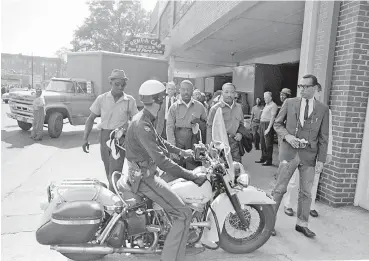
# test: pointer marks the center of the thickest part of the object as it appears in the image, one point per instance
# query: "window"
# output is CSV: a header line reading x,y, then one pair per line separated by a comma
x,y
81,87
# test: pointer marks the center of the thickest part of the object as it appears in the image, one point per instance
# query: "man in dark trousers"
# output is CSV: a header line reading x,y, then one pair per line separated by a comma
x,y
181,117
255,122
266,130
115,109
145,151
233,119
170,99
303,124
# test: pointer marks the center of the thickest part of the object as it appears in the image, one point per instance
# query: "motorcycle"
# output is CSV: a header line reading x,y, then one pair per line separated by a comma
x,y
83,220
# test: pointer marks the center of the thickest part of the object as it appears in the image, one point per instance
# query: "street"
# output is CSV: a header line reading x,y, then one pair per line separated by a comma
x,y
28,167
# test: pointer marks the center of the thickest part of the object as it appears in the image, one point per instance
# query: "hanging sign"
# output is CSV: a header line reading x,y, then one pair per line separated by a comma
x,y
144,45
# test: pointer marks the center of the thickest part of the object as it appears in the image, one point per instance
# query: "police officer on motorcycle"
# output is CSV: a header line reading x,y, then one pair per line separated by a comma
x,y
145,152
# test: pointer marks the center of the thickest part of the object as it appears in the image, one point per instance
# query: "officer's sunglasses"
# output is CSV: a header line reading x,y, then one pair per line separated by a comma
x,y
301,86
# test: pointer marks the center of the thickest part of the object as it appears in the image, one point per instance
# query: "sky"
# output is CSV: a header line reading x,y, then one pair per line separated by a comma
x,y
42,27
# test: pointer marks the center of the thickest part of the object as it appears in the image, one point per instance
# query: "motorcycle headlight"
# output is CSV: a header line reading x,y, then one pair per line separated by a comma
x,y
243,180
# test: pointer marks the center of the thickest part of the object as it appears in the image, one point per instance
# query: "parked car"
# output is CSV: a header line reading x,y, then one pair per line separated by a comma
x,y
5,97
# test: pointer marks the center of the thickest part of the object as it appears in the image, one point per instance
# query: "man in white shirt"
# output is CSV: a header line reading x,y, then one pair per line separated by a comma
x,y
168,101
115,109
303,124
294,182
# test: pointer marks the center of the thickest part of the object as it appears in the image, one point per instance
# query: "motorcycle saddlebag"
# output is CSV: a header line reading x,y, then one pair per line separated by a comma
x,y
73,222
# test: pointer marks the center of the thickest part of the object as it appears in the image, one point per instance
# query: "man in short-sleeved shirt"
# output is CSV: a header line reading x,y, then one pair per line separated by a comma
x,y
115,109
266,130
182,115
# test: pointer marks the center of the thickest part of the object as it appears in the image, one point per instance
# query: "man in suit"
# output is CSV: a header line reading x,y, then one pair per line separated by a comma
x,y
168,101
303,124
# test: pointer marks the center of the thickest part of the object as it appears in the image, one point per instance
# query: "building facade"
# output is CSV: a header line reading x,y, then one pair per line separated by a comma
x,y
42,68
257,42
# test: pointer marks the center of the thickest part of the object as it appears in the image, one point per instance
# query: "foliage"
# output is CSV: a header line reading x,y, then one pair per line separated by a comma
x,y
109,25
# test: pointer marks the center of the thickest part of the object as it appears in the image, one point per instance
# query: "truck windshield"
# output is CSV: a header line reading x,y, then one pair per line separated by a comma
x,y
60,86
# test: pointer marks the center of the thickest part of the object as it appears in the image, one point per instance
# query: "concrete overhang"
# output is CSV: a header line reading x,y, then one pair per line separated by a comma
x,y
249,31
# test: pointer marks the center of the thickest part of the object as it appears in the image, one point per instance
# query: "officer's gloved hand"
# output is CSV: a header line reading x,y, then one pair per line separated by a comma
x,y
200,179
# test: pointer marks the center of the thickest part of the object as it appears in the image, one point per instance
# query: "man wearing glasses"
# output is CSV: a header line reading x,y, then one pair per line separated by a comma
x,y
303,124
115,109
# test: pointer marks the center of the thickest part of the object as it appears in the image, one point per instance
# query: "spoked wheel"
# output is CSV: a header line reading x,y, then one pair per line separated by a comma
x,y
238,238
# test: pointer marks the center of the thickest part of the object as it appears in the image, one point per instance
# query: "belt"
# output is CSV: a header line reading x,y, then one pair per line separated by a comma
x,y
183,128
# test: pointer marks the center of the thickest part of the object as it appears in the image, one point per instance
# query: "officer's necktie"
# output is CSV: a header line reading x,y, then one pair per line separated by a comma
x,y
306,113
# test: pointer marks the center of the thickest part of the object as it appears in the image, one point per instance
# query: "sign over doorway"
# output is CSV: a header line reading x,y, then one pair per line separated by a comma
x,y
144,45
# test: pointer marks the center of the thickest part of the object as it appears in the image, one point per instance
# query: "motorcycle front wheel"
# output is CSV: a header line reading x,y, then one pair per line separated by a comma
x,y
236,238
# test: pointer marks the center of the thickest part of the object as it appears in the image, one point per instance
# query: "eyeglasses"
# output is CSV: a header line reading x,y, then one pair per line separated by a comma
x,y
304,86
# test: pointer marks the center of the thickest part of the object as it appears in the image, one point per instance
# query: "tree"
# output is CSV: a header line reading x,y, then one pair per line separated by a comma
x,y
109,25
62,55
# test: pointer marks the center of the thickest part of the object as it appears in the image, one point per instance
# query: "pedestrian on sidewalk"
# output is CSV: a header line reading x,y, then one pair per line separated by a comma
x,y
233,120
294,182
38,116
255,122
170,99
115,108
183,114
303,124
266,130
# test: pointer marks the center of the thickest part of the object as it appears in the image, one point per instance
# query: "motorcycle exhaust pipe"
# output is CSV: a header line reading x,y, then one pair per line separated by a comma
x,y
101,250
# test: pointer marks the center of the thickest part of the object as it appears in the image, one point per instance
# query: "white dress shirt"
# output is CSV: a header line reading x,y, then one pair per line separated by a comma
x,y
167,105
302,109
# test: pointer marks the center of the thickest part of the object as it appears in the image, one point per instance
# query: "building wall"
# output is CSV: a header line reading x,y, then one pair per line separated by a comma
x,y
199,17
348,102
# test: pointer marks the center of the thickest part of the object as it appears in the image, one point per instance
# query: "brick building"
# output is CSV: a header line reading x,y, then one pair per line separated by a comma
x,y
253,41
44,68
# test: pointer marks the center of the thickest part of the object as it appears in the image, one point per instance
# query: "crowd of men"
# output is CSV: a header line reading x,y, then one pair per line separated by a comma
x,y
163,134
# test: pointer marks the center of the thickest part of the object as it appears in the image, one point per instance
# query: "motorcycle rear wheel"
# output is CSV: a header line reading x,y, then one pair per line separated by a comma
x,y
230,242
83,257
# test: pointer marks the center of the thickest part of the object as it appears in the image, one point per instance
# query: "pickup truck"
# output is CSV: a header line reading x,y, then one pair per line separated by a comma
x,y
71,98
65,98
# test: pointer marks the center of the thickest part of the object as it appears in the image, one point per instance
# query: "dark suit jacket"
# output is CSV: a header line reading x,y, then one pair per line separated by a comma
x,y
315,131
246,141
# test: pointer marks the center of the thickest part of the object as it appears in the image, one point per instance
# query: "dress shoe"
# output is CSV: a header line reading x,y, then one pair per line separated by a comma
x,y
260,161
288,211
304,230
273,232
267,164
314,213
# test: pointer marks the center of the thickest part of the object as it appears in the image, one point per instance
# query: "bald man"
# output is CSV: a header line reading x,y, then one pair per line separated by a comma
x,y
233,118
181,117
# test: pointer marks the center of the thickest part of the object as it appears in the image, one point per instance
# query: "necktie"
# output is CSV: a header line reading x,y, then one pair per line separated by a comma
x,y
170,102
306,113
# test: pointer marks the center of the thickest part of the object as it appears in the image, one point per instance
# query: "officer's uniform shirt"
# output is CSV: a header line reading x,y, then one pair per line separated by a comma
x,y
181,115
113,114
144,144
232,115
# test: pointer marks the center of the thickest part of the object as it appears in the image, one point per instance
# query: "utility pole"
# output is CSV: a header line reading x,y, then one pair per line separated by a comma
x,y
44,71
32,71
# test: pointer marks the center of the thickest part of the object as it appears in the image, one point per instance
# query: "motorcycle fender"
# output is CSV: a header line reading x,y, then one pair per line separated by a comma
x,y
222,206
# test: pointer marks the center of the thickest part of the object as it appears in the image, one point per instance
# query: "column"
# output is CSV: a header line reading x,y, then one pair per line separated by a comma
x,y
171,68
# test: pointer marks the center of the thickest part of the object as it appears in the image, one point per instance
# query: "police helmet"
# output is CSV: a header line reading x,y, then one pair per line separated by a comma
x,y
152,91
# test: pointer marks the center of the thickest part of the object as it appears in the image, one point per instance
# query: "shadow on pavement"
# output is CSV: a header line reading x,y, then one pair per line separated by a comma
x,y
67,140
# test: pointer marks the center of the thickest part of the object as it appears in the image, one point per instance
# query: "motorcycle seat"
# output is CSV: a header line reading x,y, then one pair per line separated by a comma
x,y
124,188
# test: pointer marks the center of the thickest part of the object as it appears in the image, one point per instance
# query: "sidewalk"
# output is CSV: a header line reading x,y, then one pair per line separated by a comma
x,y
342,233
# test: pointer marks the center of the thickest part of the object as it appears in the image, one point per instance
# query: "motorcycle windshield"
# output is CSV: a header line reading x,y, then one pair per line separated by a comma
x,y
219,134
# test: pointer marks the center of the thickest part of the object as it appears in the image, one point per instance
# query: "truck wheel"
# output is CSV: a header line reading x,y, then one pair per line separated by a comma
x,y
24,125
55,124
